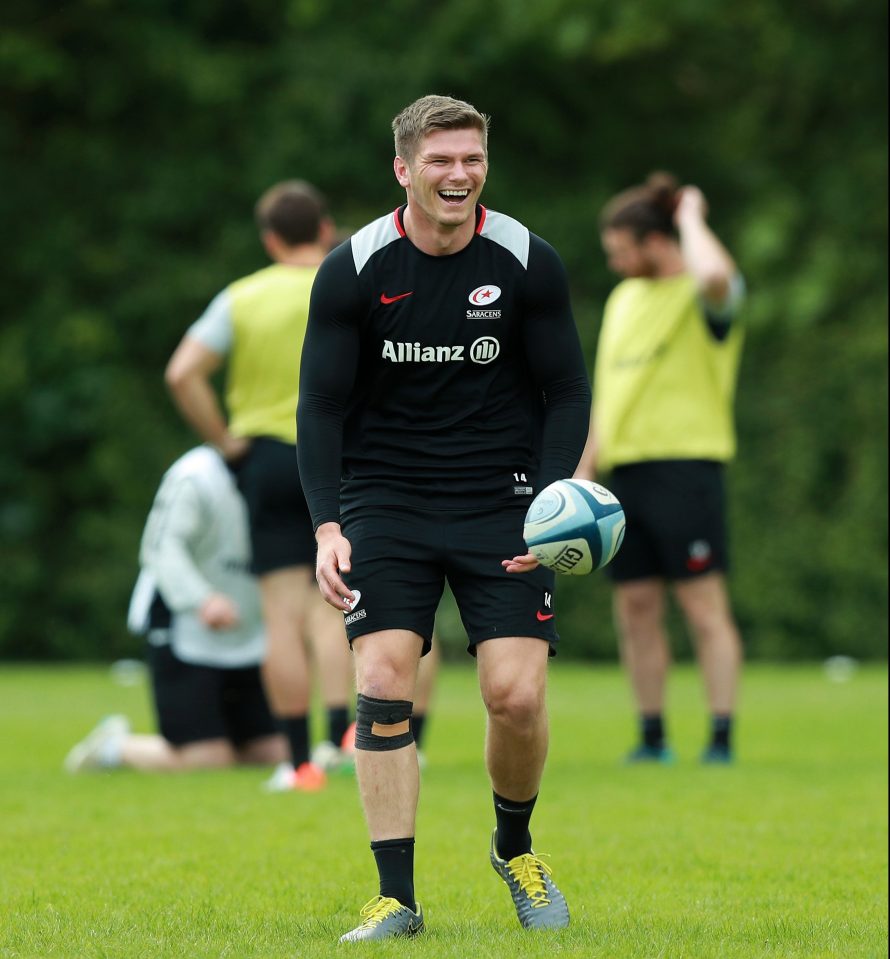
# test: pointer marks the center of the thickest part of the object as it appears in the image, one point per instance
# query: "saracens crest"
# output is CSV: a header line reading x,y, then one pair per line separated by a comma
x,y
484,295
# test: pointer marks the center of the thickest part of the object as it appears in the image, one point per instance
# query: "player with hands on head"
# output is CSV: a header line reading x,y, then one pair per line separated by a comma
x,y
661,431
458,389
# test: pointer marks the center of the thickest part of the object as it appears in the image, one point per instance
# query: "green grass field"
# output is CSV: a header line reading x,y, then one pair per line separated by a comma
x,y
783,854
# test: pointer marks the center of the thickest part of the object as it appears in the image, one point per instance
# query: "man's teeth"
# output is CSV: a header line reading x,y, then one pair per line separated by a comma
x,y
457,193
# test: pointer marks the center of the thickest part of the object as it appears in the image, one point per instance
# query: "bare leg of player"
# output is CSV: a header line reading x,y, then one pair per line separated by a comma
x,y
285,594
512,676
334,668
389,783
639,616
705,604
334,672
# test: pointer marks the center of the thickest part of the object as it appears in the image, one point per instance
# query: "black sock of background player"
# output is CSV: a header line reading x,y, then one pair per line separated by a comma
x,y
395,866
721,730
417,723
296,728
513,838
338,723
652,730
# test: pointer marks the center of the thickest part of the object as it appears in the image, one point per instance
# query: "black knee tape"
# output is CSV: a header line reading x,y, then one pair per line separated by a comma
x,y
382,724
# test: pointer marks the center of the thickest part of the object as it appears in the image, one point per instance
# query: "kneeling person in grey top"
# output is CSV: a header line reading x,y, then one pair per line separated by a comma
x,y
198,606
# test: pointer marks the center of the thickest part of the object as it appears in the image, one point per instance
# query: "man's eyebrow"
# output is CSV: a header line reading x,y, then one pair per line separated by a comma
x,y
450,156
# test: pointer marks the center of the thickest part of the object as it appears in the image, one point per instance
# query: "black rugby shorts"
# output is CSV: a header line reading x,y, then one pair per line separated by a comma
x,y
194,703
281,532
676,520
402,557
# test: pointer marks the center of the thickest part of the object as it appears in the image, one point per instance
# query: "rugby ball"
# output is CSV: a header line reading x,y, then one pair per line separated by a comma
x,y
574,526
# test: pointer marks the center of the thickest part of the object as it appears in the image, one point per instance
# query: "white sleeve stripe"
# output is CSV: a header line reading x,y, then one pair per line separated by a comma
x,y
372,238
214,328
509,233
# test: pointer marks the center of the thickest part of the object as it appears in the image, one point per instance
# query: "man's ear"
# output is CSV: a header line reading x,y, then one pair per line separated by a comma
x,y
271,243
327,233
400,167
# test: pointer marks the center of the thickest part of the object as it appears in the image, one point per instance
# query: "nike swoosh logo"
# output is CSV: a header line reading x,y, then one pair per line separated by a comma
x,y
543,617
392,299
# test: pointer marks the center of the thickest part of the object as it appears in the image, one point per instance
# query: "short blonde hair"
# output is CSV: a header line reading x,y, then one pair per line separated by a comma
x,y
431,113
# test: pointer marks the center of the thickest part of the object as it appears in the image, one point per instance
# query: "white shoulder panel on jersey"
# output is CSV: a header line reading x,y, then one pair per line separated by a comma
x,y
206,467
371,238
509,233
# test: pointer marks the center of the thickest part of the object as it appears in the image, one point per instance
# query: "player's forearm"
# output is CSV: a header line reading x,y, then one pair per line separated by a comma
x,y
565,429
178,579
196,400
320,455
705,257
586,468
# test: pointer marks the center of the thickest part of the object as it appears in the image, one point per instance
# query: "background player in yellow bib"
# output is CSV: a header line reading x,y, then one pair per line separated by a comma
x,y
662,429
256,326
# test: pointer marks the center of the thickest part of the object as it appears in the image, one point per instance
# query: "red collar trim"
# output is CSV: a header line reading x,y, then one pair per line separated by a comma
x,y
399,212
397,215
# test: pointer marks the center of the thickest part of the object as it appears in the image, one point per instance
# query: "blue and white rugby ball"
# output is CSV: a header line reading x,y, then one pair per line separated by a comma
x,y
574,526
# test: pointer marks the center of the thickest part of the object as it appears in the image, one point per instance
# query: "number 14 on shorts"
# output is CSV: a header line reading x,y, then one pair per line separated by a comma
x,y
520,484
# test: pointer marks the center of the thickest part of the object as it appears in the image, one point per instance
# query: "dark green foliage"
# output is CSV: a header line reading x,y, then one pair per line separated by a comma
x,y
142,134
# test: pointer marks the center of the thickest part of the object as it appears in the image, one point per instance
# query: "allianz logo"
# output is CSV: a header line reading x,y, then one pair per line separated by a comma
x,y
483,350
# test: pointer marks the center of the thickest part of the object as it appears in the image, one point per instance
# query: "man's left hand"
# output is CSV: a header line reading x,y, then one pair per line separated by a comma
x,y
520,564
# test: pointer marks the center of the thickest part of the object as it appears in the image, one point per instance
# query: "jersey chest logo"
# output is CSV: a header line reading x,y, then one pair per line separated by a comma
x,y
482,298
483,350
386,300
485,295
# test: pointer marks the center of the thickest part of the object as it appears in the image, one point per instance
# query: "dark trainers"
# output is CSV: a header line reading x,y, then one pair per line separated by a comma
x,y
385,918
717,755
650,754
539,904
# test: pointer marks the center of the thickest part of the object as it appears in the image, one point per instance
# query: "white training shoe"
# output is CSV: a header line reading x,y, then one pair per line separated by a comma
x,y
306,778
281,779
327,756
89,752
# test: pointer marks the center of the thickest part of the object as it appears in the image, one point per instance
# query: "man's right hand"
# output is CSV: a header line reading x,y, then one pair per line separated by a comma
x,y
691,203
218,611
234,448
333,559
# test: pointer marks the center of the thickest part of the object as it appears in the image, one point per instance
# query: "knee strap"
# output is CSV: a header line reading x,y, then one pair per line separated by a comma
x,y
382,724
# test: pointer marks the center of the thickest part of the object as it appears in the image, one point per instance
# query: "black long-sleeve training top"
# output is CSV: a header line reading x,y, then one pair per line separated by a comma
x,y
448,382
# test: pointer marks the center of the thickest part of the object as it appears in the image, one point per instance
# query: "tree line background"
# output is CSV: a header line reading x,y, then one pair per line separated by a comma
x,y
136,138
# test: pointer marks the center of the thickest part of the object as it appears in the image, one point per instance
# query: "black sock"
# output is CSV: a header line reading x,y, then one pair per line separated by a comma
x,y
296,728
338,723
652,730
395,866
417,723
721,730
513,838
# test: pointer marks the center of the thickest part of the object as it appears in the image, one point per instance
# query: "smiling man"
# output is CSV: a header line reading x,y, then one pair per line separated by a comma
x,y
442,385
